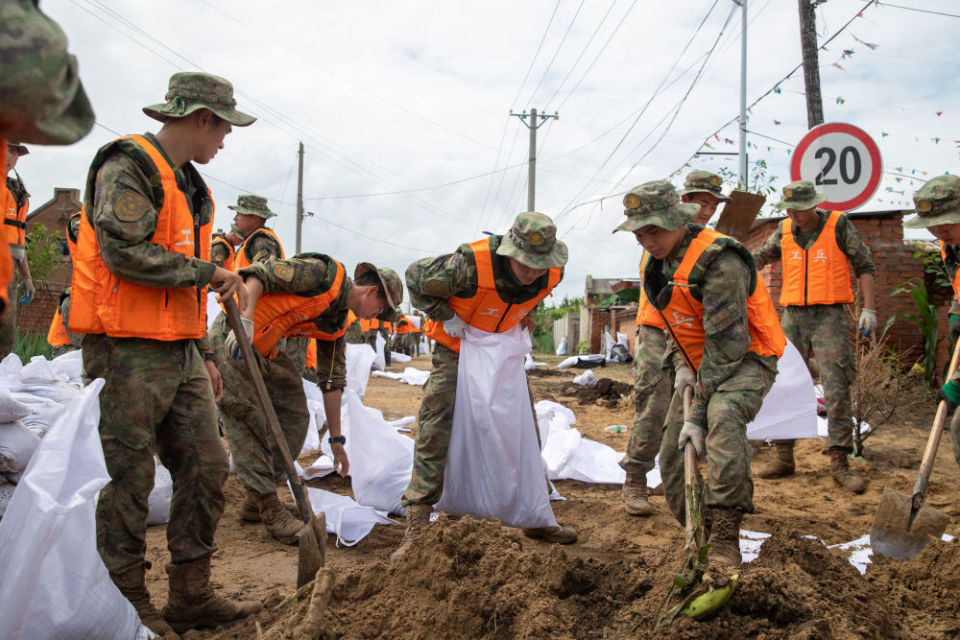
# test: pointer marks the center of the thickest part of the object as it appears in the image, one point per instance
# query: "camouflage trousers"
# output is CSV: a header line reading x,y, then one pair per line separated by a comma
x,y
652,389
157,399
8,321
735,403
822,335
296,349
259,463
59,351
435,422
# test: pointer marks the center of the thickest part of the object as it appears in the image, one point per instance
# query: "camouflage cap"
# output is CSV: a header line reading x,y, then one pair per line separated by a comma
x,y
190,91
937,202
532,241
21,149
704,182
391,285
800,195
252,205
656,203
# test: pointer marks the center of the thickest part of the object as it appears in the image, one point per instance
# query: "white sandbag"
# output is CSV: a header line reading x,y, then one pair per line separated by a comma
x,y
17,446
360,358
623,339
12,409
562,347
213,307
789,410
40,371
608,343
69,366
346,519
43,414
396,356
586,379
494,468
379,361
54,583
158,502
410,375
529,363
6,493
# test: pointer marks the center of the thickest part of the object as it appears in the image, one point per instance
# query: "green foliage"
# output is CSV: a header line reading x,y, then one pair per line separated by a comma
x,y
583,347
31,344
758,176
43,249
544,343
620,298
926,321
933,267
545,315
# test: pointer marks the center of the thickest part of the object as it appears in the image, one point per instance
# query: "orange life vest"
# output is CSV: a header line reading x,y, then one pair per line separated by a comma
x,y
405,326
57,335
369,324
241,258
486,310
684,313
71,239
291,315
817,275
103,303
312,355
6,262
15,220
956,275
646,313
231,252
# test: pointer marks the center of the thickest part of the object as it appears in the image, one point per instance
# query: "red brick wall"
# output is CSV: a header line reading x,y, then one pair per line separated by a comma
x,y
36,316
620,320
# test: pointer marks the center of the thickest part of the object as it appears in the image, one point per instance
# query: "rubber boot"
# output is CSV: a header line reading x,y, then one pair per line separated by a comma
x,y
133,586
193,604
842,475
557,535
635,496
783,465
725,538
418,516
277,520
250,511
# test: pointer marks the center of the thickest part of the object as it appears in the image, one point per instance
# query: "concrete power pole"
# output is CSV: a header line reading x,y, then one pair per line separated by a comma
x,y
299,195
811,64
533,125
744,172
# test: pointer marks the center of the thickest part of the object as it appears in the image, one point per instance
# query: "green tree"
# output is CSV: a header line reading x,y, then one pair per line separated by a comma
x,y
43,248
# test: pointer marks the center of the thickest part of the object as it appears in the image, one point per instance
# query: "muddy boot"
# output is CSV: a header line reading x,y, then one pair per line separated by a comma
x,y
725,538
557,535
842,475
277,519
635,495
783,465
418,516
250,512
193,604
132,585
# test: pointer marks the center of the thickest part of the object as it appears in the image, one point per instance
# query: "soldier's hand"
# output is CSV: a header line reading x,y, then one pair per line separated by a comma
x,y
683,379
28,291
867,323
947,393
230,342
216,380
455,327
227,284
528,323
340,462
696,436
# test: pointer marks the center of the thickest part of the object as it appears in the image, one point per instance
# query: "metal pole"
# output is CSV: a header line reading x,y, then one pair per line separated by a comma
x,y
743,95
299,195
532,167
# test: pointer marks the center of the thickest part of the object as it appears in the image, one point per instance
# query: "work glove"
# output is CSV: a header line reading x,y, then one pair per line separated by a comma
x,y
867,323
683,379
455,327
28,291
696,435
949,393
233,348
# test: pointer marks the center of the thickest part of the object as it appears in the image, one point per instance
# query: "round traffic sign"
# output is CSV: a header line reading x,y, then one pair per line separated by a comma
x,y
842,162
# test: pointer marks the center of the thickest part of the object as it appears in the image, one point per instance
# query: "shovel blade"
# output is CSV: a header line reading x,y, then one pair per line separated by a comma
x,y
894,535
311,541
738,214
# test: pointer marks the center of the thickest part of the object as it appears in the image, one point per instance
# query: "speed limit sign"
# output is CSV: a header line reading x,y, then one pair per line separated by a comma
x,y
842,162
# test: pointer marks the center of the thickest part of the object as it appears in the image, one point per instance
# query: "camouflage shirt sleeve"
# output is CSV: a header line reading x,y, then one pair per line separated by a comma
x,y
219,254
852,244
332,364
770,250
432,280
263,246
124,239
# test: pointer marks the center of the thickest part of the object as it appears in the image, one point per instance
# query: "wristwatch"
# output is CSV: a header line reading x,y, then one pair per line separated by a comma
x,y
209,356
340,439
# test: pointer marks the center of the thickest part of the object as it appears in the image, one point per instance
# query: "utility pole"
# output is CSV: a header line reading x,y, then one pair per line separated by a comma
x,y
811,64
533,125
744,176
299,195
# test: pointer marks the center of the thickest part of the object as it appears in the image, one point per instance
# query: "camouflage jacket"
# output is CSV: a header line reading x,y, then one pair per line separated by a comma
x,y
848,239
219,254
726,281
310,274
260,246
431,281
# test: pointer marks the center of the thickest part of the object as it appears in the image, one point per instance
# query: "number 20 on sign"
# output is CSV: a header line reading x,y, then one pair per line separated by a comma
x,y
842,162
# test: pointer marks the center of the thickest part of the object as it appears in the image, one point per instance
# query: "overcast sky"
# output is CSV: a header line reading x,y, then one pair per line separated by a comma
x,y
415,96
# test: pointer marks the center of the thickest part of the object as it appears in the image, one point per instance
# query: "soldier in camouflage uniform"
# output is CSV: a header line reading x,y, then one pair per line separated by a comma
x,y
938,211
14,226
259,242
524,263
260,467
652,383
159,393
820,330
727,353
221,254
63,305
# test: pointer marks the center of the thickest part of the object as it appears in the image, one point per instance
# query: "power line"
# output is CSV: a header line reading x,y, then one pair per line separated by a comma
x,y
555,53
536,54
579,57
917,9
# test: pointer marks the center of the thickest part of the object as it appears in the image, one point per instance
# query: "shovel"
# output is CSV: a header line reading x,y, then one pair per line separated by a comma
x,y
903,525
312,538
739,214
695,535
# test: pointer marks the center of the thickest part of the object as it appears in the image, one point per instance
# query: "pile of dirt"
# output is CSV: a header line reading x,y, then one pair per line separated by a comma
x,y
605,391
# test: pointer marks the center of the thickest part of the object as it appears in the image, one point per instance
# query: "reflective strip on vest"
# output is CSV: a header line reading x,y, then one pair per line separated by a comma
x,y
240,257
817,275
231,254
15,218
486,310
57,336
684,313
288,315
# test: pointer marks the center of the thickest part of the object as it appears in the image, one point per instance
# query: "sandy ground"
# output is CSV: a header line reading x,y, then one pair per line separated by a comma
x,y
470,579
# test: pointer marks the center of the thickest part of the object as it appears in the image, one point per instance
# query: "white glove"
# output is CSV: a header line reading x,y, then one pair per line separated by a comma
x,y
868,322
455,327
231,341
696,435
683,379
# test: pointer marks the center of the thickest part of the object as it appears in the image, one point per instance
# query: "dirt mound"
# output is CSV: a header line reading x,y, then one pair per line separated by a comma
x,y
605,391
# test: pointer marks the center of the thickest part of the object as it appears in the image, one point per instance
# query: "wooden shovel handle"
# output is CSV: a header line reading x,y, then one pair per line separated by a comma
x,y
690,481
933,442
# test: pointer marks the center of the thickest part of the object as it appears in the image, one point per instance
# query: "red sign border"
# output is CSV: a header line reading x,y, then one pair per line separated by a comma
x,y
842,127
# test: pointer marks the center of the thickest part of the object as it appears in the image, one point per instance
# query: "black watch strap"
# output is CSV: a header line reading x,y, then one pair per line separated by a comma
x,y
340,439
209,356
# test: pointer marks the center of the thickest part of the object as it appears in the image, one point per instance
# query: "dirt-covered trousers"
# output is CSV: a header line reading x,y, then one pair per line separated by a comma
x,y
735,403
652,389
157,399
435,422
259,464
822,335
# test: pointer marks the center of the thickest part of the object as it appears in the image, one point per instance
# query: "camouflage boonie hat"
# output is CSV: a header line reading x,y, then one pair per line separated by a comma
x,y
190,91
656,203
704,182
21,149
800,195
532,241
390,283
253,206
937,202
